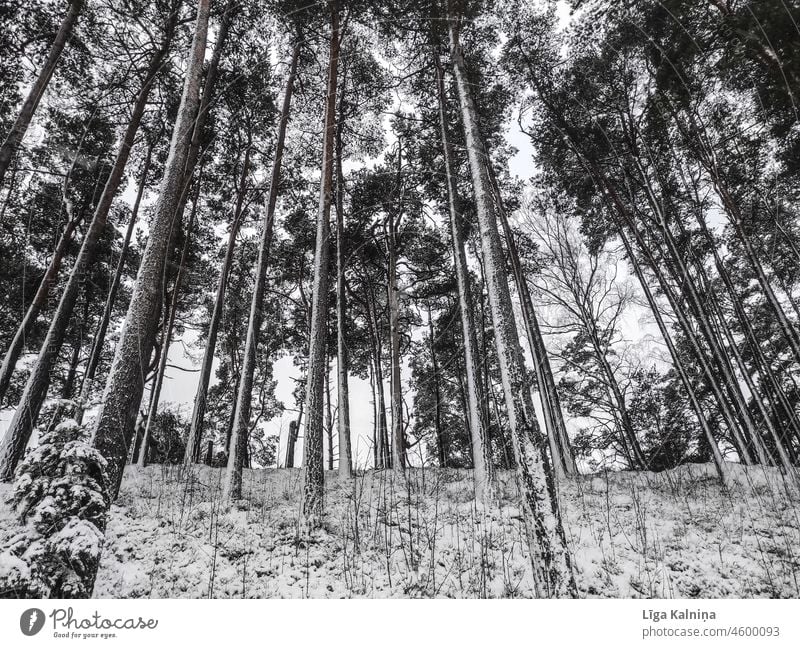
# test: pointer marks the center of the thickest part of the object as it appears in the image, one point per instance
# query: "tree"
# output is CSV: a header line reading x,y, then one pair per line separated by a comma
x,y
552,568
102,328
476,399
36,388
115,422
313,476
20,126
233,479
584,285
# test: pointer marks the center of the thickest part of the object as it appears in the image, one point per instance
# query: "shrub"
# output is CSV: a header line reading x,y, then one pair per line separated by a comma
x,y
62,499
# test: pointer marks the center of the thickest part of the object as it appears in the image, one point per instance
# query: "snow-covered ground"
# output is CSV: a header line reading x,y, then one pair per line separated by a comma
x,y
675,534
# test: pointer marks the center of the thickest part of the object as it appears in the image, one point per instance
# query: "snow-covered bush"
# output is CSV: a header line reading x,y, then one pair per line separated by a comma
x,y
61,498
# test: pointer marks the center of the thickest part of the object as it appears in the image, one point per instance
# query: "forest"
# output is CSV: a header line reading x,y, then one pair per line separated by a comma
x,y
371,279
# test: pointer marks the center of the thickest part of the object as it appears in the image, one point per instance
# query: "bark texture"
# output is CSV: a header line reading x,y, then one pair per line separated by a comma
x,y
342,358
477,402
551,561
125,384
313,474
168,328
393,303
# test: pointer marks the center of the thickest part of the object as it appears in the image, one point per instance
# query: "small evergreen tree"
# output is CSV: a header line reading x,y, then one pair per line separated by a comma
x,y
61,497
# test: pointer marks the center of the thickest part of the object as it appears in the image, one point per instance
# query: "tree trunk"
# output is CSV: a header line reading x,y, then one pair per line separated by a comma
x,y
233,473
20,127
698,307
383,448
762,366
63,408
618,208
740,421
206,96
561,449
382,433
294,432
141,435
231,419
713,366
193,443
39,380
100,336
170,325
69,382
395,384
734,217
551,561
374,402
477,401
291,444
209,458
696,134
342,359
313,475
441,441
712,373
125,382
329,416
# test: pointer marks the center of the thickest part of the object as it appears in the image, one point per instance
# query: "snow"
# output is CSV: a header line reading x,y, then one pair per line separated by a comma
x,y
16,571
673,534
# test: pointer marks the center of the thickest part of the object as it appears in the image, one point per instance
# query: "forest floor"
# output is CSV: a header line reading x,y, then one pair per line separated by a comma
x,y
672,534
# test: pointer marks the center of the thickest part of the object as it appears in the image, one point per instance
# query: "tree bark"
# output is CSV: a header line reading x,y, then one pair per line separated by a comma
x,y
329,416
141,436
170,325
292,442
550,558
393,302
477,401
560,447
313,474
441,442
125,382
206,96
383,451
342,357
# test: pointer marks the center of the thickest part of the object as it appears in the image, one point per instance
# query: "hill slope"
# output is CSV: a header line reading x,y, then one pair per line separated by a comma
x,y
632,535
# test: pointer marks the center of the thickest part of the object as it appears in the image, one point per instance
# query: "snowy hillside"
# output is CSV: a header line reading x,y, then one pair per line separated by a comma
x,y
669,535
